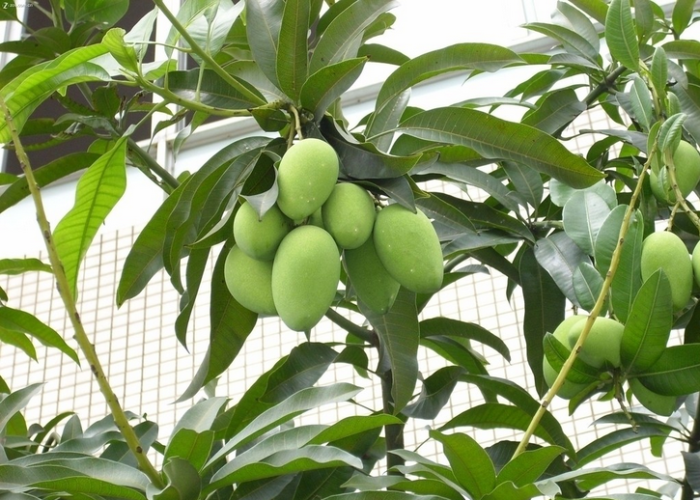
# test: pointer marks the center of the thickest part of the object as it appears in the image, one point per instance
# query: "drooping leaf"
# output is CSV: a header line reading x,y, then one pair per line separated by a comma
x,y
292,49
495,138
462,330
613,441
263,23
589,478
560,257
572,41
659,70
588,284
19,266
15,402
556,111
19,340
399,336
640,99
21,321
328,83
437,389
583,217
544,310
98,191
649,324
469,461
676,372
621,35
526,181
207,88
383,495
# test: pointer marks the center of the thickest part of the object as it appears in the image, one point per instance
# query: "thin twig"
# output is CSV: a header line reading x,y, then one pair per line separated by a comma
x,y
88,349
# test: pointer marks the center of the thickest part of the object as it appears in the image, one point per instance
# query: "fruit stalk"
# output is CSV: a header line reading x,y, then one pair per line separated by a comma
x,y
600,302
679,196
88,349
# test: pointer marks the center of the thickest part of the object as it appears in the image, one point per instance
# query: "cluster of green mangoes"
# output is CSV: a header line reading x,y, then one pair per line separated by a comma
x,y
686,161
288,262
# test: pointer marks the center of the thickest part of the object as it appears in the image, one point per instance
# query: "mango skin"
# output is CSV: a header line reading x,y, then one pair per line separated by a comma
x,y
249,281
305,276
686,160
409,248
348,215
695,260
602,344
657,403
306,176
569,389
259,238
665,250
369,278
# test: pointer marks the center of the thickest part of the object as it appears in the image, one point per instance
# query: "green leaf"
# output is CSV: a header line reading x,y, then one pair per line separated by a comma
x,y
122,52
572,41
588,284
342,38
201,416
526,181
613,441
557,354
32,87
659,70
183,482
581,24
105,12
462,330
19,266
292,51
682,14
495,138
399,336
296,404
587,479
443,212
98,191
676,372
231,323
20,321
689,99
19,340
190,11
529,466
469,461
560,257
264,20
353,426
15,402
383,495
328,83
544,310
670,133
45,175
196,264
436,392
555,111
681,49
583,216
649,324
620,34
209,88
640,99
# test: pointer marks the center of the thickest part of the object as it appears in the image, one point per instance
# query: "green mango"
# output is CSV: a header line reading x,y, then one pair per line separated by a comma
x,y
306,176
249,281
657,403
665,250
259,238
695,261
348,215
409,248
569,389
371,281
686,161
602,344
305,276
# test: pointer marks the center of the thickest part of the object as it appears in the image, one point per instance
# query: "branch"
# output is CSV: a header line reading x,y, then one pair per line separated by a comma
x,y
363,333
604,85
88,349
152,164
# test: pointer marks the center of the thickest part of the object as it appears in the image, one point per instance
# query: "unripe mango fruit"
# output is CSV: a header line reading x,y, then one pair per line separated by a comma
x,y
259,238
348,215
686,161
602,343
569,389
305,276
657,403
409,248
249,281
695,260
371,281
665,250
306,176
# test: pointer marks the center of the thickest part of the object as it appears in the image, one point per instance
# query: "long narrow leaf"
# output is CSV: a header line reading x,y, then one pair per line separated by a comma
x,y
620,34
292,51
21,321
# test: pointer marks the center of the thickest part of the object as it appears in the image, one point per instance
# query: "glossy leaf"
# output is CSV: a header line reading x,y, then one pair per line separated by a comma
x,y
620,34
442,212
208,88
529,466
296,404
19,266
560,257
292,49
557,354
340,40
676,372
28,90
19,340
581,24
689,99
495,138
544,310
670,133
15,402
613,441
571,40
20,321
588,283
469,461
641,103
527,182
183,482
399,335
659,70
201,416
263,23
231,324
98,191
590,478
649,324
436,391
556,110
463,330
352,427
583,216
328,83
